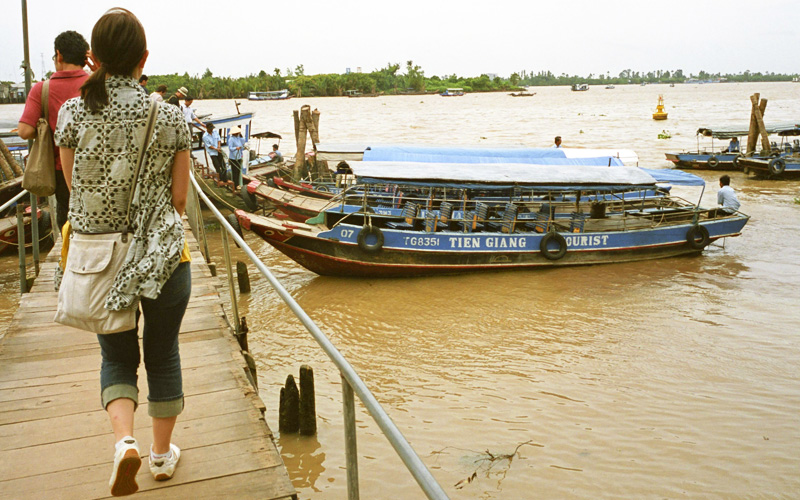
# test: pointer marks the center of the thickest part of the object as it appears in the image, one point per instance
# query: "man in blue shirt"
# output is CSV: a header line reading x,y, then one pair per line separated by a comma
x,y
211,141
275,156
733,146
235,149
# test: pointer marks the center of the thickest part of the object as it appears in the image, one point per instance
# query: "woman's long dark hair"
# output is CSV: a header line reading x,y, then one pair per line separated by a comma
x,y
118,44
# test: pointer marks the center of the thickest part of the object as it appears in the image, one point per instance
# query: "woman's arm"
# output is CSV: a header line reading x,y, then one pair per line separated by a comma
x,y
180,180
67,160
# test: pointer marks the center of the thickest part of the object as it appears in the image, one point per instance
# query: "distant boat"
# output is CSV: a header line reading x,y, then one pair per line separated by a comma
x,y
522,94
580,87
609,87
272,95
357,93
452,93
660,114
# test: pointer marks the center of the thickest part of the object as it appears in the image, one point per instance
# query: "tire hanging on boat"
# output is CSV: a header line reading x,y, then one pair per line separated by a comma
x,y
736,162
562,246
697,237
234,222
713,162
323,189
249,199
365,233
777,166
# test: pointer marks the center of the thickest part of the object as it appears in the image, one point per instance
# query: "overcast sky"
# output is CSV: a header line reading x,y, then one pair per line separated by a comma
x,y
466,37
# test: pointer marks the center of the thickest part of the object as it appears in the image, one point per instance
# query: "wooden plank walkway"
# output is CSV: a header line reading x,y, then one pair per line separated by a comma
x,y
56,441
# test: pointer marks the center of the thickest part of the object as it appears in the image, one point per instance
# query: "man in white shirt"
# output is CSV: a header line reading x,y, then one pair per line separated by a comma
x,y
158,95
726,196
188,114
557,142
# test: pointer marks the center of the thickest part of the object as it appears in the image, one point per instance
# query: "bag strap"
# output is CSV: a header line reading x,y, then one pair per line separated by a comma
x,y
46,101
148,136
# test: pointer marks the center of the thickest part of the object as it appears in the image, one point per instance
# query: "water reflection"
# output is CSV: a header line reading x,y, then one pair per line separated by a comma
x,y
303,459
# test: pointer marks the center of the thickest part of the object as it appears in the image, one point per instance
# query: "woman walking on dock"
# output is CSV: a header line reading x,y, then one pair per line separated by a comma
x,y
100,138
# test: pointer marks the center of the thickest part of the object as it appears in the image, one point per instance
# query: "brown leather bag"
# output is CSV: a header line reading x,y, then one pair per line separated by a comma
x,y
40,169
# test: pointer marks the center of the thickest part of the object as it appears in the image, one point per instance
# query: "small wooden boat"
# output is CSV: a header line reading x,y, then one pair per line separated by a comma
x,y
660,114
448,235
522,94
9,234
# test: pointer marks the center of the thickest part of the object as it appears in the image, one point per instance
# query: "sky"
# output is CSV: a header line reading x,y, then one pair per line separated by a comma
x,y
467,37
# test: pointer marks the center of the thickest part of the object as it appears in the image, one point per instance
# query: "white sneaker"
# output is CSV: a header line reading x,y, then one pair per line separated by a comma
x,y
163,468
126,464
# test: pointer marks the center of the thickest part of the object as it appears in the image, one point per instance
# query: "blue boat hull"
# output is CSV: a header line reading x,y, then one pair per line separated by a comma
x,y
337,252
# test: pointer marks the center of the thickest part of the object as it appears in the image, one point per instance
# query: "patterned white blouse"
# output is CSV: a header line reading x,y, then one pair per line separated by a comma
x,y
106,146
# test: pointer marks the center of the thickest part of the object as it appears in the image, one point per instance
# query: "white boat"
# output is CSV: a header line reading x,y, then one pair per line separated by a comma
x,y
452,92
580,87
272,95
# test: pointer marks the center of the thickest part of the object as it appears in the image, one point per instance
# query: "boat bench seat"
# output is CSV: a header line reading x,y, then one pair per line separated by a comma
x,y
409,216
508,222
473,221
577,222
445,215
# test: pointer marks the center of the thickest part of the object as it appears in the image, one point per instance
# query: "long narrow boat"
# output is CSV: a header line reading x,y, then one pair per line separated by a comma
x,y
551,228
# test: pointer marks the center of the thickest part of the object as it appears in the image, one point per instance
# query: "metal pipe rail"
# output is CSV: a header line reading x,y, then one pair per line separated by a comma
x,y
351,380
23,267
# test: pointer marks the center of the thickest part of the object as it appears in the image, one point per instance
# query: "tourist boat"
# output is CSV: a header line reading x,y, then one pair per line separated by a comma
x,y
610,87
580,87
522,94
452,92
463,234
660,114
711,158
271,95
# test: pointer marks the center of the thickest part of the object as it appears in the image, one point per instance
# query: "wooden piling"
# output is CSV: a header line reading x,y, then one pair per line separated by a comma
x,y
289,408
9,159
757,125
243,277
308,412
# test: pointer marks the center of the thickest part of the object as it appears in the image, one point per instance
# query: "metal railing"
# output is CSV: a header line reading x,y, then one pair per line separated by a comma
x,y
351,382
23,266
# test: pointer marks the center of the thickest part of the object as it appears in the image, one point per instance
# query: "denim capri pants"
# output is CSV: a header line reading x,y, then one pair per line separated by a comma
x,y
162,359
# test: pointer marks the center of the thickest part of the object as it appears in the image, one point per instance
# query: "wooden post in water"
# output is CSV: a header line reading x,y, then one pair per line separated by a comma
x,y
300,155
308,412
243,277
289,408
757,125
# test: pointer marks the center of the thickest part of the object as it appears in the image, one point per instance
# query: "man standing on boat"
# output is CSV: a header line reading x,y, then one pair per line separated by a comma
x,y
179,94
190,116
726,196
212,143
557,142
71,55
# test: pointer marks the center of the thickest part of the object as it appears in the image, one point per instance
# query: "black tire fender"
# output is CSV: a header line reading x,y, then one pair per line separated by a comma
x,y
249,199
713,161
736,162
777,166
365,233
549,254
234,222
697,237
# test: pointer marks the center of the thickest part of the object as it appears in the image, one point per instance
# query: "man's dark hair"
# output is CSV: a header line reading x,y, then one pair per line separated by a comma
x,y
558,138
161,88
73,47
725,180
274,146
143,78
209,125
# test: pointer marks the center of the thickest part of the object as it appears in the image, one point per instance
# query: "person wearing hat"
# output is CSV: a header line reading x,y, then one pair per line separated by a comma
x,y
179,94
235,152
212,142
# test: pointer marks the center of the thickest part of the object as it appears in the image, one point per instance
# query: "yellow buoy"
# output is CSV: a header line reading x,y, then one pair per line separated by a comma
x,y
660,114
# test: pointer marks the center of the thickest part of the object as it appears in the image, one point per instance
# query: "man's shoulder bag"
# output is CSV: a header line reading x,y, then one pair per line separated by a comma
x,y
40,169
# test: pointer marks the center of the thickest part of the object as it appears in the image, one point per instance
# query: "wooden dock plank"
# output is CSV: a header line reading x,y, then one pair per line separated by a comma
x,y
55,439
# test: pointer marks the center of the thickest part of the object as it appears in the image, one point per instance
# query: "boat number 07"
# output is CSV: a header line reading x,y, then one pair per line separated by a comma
x,y
347,233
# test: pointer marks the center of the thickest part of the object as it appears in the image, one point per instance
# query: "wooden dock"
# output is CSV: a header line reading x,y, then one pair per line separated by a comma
x,y
56,440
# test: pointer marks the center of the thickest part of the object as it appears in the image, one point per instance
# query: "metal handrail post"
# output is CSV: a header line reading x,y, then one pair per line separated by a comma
x,y
350,442
234,305
23,272
413,463
35,233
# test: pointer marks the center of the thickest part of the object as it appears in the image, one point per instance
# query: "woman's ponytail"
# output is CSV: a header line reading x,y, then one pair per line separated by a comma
x,y
93,90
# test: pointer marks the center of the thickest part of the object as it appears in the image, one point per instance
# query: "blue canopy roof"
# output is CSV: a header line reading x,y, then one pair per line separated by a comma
x,y
675,177
461,154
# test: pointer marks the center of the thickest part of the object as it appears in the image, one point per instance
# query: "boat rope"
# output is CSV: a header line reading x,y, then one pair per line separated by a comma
x,y
16,243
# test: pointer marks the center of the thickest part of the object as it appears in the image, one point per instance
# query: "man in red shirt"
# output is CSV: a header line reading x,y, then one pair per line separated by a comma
x,y
70,58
